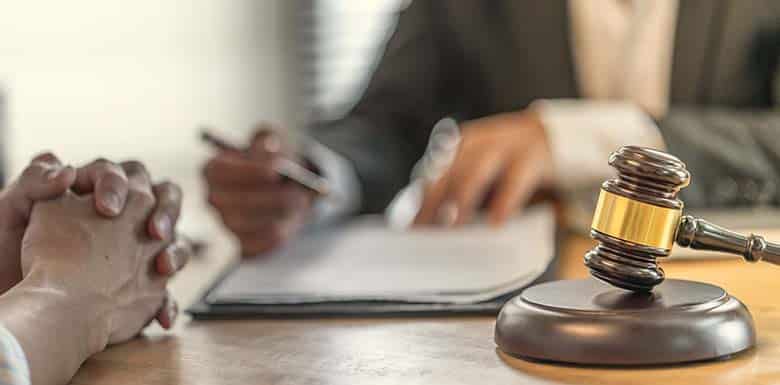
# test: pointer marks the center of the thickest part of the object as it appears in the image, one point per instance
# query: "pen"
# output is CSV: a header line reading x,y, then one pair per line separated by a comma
x,y
283,166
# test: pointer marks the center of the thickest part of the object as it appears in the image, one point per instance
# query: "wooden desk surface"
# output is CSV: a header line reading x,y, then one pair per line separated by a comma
x,y
457,350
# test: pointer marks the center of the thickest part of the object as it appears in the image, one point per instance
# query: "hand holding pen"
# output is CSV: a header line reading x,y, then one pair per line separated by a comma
x,y
262,195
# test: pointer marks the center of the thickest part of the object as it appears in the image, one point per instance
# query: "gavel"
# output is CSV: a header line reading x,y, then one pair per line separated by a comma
x,y
638,219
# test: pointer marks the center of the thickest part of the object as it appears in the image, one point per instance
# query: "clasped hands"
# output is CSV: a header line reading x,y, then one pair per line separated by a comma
x,y
100,238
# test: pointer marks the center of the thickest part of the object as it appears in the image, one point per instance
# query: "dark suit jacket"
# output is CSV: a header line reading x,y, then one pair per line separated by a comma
x,y
472,58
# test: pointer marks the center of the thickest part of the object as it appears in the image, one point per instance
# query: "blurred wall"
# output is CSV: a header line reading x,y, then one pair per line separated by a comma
x,y
132,79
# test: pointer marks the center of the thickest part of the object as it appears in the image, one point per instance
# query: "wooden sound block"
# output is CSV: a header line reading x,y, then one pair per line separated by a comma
x,y
589,322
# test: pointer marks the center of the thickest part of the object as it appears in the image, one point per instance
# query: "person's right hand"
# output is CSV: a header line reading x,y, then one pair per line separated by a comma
x,y
262,209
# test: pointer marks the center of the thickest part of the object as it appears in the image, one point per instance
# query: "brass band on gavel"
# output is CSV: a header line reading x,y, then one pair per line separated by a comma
x,y
635,221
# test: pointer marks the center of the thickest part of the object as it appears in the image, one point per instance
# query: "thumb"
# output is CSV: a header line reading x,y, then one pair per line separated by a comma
x,y
266,143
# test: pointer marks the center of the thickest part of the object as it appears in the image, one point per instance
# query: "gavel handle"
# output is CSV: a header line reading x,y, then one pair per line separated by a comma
x,y
699,234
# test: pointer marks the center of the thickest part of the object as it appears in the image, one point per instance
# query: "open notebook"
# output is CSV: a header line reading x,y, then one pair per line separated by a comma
x,y
365,261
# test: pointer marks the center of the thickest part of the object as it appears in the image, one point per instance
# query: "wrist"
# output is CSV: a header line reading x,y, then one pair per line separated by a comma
x,y
55,330
85,318
532,119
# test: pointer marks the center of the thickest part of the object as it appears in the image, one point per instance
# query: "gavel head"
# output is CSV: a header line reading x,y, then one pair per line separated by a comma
x,y
636,218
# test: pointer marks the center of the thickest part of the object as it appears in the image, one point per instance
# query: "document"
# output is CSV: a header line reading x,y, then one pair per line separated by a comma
x,y
365,260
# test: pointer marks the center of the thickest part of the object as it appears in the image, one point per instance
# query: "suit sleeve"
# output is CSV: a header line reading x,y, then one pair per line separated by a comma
x,y
733,154
380,135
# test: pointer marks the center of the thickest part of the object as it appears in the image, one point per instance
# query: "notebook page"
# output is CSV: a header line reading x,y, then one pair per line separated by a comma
x,y
364,260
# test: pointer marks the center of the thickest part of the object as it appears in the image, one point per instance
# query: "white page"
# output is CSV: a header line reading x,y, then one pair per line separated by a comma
x,y
365,260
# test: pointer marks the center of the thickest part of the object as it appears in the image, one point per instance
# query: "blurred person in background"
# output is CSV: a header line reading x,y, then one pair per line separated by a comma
x,y
543,91
85,255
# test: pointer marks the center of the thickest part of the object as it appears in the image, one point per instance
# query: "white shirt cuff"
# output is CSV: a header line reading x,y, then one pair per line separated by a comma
x,y
345,196
14,369
582,134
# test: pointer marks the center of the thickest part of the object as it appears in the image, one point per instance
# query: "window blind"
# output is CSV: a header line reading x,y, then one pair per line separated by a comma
x,y
340,42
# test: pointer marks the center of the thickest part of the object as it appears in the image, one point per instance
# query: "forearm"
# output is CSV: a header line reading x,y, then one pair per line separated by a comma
x,y
55,331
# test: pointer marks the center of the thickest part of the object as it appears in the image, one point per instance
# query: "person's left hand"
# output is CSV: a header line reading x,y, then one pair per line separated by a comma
x,y
502,161
46,178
